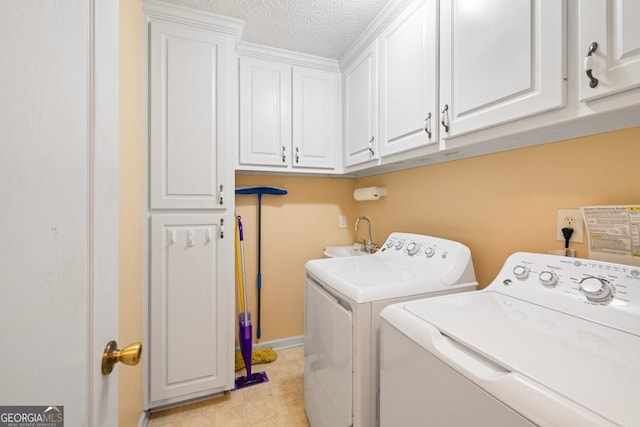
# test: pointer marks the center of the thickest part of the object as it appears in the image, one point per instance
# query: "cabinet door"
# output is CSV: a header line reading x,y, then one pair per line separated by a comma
x,y
408,79
265,113
190,310
361,108
188,116
499,61
613,25
316,117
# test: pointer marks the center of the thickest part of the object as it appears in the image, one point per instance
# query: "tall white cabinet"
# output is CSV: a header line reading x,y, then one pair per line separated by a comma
x,y
192,85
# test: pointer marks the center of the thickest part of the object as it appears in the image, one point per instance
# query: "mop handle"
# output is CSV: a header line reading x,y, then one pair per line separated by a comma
x,y
239,266
244,273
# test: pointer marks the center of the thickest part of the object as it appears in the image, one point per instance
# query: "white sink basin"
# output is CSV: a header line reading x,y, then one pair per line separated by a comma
x,y
342,251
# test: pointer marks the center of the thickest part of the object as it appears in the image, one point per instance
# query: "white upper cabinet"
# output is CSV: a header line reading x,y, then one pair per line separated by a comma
x,y
289,116
609,41
361,107
189,98
499,61
316,118
265,112
408,79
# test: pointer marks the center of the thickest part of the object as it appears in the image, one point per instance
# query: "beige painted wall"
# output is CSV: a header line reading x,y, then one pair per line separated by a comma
x,y
130,389
295,228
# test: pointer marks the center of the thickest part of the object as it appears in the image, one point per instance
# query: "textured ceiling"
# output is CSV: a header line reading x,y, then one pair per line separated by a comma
x,y
318,27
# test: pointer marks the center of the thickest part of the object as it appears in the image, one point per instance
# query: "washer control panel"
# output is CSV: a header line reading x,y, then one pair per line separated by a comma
x,y
565,283
418,246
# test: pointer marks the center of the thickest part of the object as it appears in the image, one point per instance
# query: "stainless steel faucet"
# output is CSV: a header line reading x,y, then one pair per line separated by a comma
x,y
368,245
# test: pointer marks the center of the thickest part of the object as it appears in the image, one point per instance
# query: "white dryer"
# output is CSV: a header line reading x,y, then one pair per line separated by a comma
x,y
343,299
552,341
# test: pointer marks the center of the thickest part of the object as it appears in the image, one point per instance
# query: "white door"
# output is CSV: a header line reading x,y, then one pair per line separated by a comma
x,y
188,107
361,108
615,62
191,341
316,121
59,192
499,61
265,113
408,79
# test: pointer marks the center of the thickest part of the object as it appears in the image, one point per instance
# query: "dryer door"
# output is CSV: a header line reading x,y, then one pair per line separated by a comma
x,y
328,366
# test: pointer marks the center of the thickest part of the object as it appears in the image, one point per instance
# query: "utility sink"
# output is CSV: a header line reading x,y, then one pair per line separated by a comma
x,y
343,251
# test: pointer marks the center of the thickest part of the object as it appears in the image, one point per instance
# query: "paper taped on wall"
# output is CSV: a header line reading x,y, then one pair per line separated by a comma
x,y
613,233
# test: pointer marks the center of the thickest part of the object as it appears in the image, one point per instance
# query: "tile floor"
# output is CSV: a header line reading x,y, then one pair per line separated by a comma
x,y
276,403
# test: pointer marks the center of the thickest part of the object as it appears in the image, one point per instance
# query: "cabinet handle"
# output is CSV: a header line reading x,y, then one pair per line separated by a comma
x,y
588,65
427,125
445,118
221,194
371,146
222,228
284,156
297,155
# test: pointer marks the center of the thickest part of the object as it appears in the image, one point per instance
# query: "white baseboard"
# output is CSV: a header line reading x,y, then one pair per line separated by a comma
x,y
280,344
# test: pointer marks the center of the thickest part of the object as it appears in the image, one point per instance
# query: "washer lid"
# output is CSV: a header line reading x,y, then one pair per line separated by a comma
x,y
596,366
370,278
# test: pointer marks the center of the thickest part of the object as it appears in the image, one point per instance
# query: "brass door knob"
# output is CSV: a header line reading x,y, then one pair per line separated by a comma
x,y
130,355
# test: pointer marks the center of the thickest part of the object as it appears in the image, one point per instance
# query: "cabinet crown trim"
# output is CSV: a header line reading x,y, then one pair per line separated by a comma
x,y
268,53
194,18
373,30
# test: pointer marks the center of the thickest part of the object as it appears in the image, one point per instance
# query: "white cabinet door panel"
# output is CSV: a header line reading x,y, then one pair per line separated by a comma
x,y
187,115
613,25
361,107
408,79
316,117
265,112
500,61
189,306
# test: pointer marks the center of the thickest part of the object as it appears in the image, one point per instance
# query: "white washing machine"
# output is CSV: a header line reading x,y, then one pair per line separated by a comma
x,y
552,341
343,299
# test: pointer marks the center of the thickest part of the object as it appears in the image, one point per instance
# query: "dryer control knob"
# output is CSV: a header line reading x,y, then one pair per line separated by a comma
x,y
413,248
548,278
597,291
399,245
521,272
430,251
389,243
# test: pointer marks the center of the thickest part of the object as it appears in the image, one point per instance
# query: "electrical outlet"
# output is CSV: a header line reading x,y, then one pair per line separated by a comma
x,y
571,218
342,221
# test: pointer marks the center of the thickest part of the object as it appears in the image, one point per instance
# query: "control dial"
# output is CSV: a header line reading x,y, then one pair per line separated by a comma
x,y
389,243
548,278
413,248
399,245
430,251
598,291
521,272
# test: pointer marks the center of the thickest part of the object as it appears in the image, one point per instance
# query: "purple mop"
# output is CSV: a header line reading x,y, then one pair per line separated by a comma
x,y
245,331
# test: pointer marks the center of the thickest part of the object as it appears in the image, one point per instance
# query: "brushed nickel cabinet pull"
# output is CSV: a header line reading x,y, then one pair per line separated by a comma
x,y
445,118
427,125
588,65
